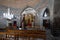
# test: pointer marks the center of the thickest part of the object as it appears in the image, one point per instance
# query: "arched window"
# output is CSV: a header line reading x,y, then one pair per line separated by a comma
x,y
46,13
46,18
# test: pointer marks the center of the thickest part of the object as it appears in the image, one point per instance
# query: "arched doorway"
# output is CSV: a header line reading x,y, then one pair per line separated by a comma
x,y
46,18
28,18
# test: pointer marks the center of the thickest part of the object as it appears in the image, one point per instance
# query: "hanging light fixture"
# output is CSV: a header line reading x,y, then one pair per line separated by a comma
x,y
8,15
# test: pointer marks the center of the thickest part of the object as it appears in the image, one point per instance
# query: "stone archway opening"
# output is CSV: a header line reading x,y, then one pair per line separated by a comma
x,y
28,18
46,18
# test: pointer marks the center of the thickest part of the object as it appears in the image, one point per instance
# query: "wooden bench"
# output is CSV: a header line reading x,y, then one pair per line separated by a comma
x,y
28,33
25,33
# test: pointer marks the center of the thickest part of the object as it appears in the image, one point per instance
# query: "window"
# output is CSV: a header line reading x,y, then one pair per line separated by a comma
x,y
46,13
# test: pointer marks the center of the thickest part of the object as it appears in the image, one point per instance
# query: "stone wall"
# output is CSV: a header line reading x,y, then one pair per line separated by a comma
x,y
39,7
56,22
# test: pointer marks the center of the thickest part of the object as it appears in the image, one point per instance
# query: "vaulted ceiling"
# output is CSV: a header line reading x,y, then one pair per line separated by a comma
x,y
19,3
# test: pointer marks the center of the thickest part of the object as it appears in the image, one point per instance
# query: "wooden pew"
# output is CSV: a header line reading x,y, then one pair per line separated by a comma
x,y
25,33
28,33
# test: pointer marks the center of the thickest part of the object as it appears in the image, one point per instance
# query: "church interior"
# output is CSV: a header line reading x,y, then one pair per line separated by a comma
x,y
29,20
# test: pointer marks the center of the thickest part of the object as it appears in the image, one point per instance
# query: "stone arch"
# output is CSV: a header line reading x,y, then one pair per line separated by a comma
x,y
45,10
46,13
29,11
41,16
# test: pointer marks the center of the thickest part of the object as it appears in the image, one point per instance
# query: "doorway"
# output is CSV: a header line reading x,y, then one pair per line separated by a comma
x,y
46,18
46,23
